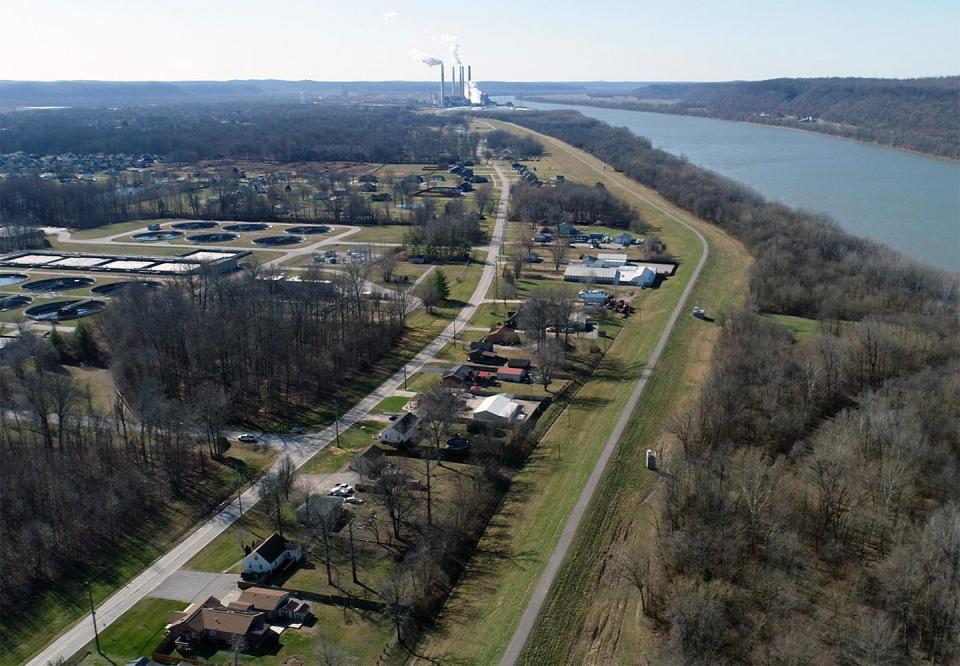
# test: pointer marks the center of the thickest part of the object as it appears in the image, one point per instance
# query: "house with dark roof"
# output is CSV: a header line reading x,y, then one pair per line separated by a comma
x,y
484,356
503,335
320,510
402,431
270,555
462,376
369,462
210,622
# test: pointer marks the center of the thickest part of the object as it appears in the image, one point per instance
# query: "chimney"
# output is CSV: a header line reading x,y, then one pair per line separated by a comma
x,y
453,81
469,73
463,89
442,84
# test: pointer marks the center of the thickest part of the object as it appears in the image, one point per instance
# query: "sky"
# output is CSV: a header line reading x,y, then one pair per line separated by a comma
x,y
506,40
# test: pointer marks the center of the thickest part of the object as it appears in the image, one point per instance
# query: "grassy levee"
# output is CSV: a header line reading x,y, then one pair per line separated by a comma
x,y
592,615
484,609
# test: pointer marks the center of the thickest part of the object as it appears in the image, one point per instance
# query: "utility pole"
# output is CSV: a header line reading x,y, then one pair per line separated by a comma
x,y
236,474
93,616
353,557
404,377
336,419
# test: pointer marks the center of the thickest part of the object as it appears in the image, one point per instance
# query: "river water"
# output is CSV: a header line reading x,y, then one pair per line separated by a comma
x,y
908,201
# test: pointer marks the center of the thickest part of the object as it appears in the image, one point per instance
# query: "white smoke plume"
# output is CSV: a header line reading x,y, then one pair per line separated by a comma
x,y
452,43
390,16
419,56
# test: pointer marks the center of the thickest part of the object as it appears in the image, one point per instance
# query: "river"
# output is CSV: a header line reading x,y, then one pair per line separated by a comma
x,y
908,201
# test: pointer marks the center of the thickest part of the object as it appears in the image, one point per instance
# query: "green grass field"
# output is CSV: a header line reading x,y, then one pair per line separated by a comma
x,y
134,634
394,403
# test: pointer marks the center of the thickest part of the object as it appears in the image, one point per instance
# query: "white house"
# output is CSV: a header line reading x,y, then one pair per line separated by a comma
x,y
271,555
499,408
402,431
639,276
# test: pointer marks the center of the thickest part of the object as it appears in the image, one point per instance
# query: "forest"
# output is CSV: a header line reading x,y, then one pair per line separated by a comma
x,y
918,114
249,131
810,512
574,203
519,146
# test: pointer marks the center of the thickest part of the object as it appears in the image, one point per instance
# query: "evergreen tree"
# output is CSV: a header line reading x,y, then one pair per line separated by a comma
x,y
85,347
443,287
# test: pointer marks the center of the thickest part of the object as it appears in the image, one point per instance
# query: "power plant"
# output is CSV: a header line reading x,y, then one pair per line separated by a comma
x,y
463,90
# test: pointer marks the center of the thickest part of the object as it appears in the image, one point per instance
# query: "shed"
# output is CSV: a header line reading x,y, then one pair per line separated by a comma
x,y
499,408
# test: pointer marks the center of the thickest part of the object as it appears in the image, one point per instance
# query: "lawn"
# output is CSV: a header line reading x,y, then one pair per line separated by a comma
x,y
801,327
394,403
423,381
109,230
481,615
387,233
133,634
53,611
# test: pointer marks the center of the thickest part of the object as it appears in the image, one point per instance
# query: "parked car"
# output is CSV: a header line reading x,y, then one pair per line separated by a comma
x,y
297,430
353,500
248,438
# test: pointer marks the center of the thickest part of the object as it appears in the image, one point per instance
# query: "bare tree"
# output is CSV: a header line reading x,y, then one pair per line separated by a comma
x,y
558,251
439,409
482,196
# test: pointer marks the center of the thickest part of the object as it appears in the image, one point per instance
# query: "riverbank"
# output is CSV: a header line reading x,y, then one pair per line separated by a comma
x,y
813,128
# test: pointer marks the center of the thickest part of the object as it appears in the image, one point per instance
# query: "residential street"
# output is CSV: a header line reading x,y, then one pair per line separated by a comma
x,y
300,449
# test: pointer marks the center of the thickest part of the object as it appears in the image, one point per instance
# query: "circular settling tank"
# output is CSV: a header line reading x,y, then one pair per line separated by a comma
x,y
151,236
58,284
278,240
194,226
14,302
308,230
247,227
114,288
60,310
212,238
6,279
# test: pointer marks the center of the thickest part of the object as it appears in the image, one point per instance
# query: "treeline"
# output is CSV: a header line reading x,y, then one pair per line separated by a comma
x,y
814,505
805,264
249,341
74,481
249,131
573,203
519,146
445,234
919,114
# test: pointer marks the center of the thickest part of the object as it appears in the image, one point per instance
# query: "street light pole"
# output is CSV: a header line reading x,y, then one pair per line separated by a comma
x,y
93,616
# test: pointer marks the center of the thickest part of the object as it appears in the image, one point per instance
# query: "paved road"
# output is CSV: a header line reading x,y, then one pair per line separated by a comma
x,y
540,592
300,449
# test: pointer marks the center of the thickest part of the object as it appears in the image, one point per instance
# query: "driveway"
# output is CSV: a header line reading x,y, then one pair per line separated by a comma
x,y
190,586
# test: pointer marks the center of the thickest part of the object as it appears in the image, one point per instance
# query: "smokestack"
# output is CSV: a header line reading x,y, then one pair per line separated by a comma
x,y
463,90
469,73
453,81
442,84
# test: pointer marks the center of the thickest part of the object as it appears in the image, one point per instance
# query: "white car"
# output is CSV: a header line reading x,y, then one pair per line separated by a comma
x,y
248,438
353,500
